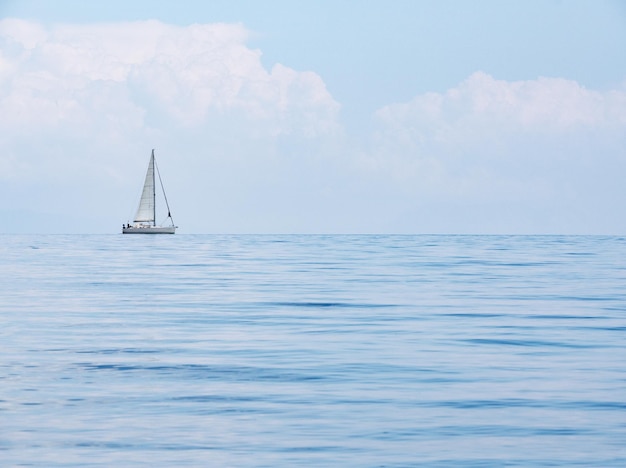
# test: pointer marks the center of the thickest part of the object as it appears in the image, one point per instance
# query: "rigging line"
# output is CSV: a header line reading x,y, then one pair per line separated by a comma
x,y
169,215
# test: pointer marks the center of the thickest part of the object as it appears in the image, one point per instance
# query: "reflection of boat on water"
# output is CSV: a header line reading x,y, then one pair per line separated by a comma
x,y
145,219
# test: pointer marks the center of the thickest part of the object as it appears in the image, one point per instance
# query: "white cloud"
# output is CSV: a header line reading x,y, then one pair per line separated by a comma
x,y
189,69
533,147
121,82
260,148
82,105
485,122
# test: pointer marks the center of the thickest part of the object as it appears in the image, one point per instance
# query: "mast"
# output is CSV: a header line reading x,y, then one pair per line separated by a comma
x,y
153,191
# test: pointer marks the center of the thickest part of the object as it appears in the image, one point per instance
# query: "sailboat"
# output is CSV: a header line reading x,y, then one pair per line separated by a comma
x,y
145,219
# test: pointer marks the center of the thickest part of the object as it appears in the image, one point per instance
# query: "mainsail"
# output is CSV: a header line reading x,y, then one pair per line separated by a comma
x,y
145,212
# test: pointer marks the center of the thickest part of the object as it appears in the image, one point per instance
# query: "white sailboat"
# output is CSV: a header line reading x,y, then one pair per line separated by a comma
x,y
145,219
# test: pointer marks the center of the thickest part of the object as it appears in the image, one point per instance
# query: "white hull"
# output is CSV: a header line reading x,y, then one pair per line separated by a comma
x,y
149,230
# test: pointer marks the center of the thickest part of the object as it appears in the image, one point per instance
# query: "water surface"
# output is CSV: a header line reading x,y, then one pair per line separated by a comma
x,y
207,350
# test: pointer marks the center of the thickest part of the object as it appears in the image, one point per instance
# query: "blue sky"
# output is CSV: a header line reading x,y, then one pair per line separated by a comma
x,y
326,116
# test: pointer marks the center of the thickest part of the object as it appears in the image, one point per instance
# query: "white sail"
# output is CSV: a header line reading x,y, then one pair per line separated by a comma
x,y
145,212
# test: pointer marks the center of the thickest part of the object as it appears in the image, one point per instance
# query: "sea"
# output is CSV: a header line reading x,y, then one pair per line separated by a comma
x,y
312,350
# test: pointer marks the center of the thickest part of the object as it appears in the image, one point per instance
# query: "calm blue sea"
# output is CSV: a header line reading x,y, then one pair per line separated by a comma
x,y
268,351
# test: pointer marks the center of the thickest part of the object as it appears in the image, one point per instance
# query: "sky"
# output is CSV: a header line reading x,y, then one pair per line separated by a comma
x,y
342,116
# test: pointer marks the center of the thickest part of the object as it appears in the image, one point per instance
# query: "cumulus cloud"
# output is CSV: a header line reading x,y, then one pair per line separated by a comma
x,y
117,82
83,104
546,104
484,122
543,145
262,147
